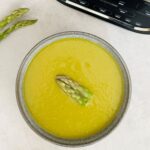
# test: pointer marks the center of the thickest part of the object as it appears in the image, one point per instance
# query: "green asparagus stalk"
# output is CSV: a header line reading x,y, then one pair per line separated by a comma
x,y
16,26
14,15
72,88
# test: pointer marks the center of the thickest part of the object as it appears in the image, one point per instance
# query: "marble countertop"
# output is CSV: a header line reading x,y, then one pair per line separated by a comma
x,y
133,131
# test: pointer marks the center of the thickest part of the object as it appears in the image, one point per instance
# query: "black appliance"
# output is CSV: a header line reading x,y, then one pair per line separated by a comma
x,y
130,14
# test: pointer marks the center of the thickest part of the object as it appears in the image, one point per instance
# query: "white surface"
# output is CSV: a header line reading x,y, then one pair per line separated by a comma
x,y
132,133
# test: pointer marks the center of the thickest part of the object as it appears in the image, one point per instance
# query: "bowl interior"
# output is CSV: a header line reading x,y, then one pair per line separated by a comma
x,y
24,66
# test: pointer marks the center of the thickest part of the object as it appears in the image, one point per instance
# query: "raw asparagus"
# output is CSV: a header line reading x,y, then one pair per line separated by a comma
x,y
72,88
14,15
16,26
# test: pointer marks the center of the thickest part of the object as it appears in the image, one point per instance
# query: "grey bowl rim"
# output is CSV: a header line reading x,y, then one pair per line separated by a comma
x,y
115,122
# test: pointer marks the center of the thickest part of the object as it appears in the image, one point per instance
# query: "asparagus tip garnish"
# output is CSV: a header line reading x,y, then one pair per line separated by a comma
x,y
73,89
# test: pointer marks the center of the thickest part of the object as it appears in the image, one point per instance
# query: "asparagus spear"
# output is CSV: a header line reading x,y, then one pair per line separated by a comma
x,y
72,88
16,26
14,15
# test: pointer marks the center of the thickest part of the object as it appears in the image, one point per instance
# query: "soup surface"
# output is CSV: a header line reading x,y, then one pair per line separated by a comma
x,y
90,65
